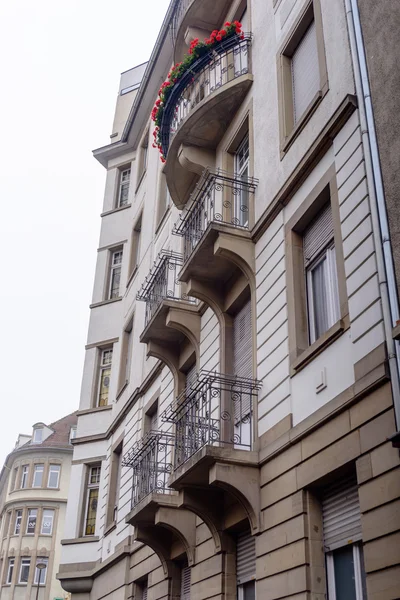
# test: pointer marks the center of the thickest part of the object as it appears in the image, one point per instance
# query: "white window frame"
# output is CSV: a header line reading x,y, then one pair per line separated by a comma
x,y
30,511
25,562
331,290
24,476
48,517
36,470
10,570
18,522
72,433
54,469
242,170
115,267
124,183
35,439
105,365
90,486
330,573
39,572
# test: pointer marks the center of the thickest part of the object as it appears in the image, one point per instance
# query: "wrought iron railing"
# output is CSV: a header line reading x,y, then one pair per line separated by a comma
x,y
217,411
218,197
162,283
151,461
224,63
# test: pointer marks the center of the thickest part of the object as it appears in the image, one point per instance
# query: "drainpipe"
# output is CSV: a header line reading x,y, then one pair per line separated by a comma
x,y
386,274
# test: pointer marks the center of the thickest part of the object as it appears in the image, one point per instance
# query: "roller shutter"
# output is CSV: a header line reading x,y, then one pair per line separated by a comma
x,y
341,514
245,557
185,583
243,356
305,72
318,235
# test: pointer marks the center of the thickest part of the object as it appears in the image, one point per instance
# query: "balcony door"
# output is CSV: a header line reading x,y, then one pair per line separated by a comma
x,y
242,367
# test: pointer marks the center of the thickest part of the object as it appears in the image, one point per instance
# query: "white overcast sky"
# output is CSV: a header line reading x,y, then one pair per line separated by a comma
x,y
60,66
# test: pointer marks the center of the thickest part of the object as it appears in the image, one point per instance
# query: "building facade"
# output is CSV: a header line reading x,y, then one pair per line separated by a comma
x,y
34,485
240,383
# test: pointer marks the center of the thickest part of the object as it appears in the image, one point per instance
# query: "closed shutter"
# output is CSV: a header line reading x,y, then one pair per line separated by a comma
x,y
185,583
154,420
318,234
243,356
305,72
341,514
191,376
245,557
144,593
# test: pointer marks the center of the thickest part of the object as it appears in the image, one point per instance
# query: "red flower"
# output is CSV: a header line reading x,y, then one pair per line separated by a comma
x,y
219,38
227,24
222,32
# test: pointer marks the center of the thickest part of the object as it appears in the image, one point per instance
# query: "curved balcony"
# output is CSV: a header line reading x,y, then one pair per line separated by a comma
x,y
200,109
203,14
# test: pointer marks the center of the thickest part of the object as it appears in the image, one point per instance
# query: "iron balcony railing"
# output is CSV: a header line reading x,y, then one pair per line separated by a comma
x,y
162,283
217,410
218,197
151,461
224,63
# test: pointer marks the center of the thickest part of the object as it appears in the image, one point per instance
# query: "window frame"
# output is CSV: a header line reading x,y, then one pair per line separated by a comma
x,y
242,170
38,572
134,253
126,355
114,483
164,201
34,440
289,130
24,477
121,184
18,521
37,470
25,561
27,532
103,367
90,486
72,433
113,268
58,471
52,511
301,351
143,157
330,572
10,567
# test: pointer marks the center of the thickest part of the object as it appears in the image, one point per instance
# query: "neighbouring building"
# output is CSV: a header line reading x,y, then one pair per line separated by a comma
x,y
34,485
241,382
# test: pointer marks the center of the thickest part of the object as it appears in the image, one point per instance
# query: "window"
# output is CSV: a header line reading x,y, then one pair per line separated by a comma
x,y
302,73
14,479
126,354
40,574
123,187
104,376
135,246
321,274
31,522
72,433
18,521
92,500
342,536
38,435
151,418
164,199
38,476
115,274
185,583
10,570
241,200
54,476
24,570
115,478
143,157
24,476
245,566
47,522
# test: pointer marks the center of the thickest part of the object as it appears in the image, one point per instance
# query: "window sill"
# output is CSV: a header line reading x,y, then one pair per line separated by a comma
x,y
318,346
94,409
81,540
121,390
115,210
110,527
104,302
297,129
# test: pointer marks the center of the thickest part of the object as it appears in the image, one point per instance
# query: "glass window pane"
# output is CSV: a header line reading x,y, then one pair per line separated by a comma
x,y
320,316
104,386
91,511
249,591
38,476
344,574
47,522
54,475
31,523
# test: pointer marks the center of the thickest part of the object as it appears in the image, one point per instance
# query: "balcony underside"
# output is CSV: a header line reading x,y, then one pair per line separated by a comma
x,y
157,329
210,263
203,128
201,14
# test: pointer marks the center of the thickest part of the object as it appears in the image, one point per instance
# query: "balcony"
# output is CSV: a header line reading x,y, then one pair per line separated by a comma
x,y
200,109
151,462
220,206
216,411
203,14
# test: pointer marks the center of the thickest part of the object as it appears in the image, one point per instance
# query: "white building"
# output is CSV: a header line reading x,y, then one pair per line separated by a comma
x,y
34,483
237,397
